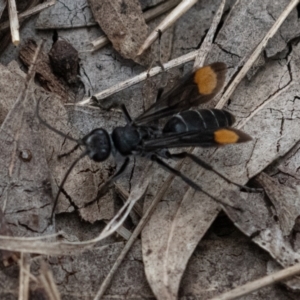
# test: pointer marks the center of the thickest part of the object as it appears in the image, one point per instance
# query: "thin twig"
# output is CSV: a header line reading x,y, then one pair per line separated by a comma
x,y
14,22
19,103
176,13
28,13
24,278
148,15
122,231
250,287
261,46
47,281
207,43
124,196
139,78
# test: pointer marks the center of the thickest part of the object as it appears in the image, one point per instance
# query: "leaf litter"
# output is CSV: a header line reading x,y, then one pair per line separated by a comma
x,y
272,106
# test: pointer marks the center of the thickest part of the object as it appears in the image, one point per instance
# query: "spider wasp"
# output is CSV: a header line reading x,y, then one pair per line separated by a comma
x,y
185,127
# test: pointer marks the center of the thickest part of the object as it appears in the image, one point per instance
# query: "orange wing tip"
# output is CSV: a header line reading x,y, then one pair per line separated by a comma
x,y
210,79
230,136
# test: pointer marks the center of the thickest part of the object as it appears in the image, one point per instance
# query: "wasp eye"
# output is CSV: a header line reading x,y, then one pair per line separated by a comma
x,y
98,145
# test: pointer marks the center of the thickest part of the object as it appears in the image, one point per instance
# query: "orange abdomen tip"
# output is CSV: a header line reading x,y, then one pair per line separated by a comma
x,y
206,80
226,136
230,136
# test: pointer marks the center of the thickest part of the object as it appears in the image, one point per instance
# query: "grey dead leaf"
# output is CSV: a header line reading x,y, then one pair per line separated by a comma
x,y
81,186
82,183
79,275
181,224
279,124
66,14
286,202
25,177
124,24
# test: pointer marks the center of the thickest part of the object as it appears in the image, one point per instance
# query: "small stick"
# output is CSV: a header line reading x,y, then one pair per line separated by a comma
x,y
46,279
141,77
231,88
148,15
14,22
30,12
260,283
122,231
23,277
207,43
181,9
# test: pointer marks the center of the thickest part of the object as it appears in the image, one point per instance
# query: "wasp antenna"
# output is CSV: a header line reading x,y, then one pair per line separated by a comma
x,y
52,128
63,182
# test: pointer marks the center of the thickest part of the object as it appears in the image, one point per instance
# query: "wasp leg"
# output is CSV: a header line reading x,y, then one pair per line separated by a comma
x,y
189,181
209,167
126,114
159,93
106,185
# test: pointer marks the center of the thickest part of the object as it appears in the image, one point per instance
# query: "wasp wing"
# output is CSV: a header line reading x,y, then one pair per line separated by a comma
x,y
193,89
208,138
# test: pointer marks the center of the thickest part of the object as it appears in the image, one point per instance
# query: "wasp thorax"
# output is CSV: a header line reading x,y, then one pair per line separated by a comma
x,y
97,144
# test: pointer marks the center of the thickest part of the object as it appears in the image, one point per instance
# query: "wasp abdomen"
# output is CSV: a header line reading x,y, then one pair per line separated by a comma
x,y
202,119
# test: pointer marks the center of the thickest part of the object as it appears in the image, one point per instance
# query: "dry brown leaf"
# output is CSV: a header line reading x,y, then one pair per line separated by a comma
x,y
44,71
124,24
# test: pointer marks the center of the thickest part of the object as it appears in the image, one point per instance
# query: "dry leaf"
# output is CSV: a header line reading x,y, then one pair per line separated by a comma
x,y
48,80
66,14
124,24
76,186
286,202
25,179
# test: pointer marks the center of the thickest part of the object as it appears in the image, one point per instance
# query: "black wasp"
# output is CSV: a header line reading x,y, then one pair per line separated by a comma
x,y
198,128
